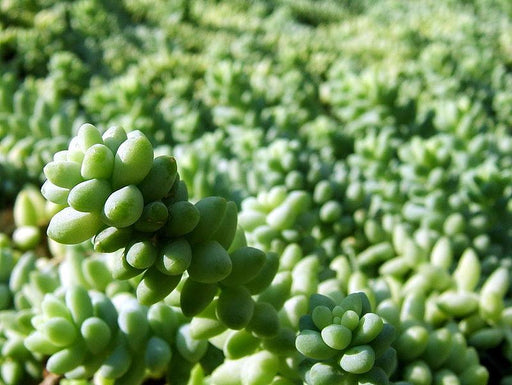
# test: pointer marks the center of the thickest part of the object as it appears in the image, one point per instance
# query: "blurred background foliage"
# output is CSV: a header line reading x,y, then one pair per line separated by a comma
x,y
241,74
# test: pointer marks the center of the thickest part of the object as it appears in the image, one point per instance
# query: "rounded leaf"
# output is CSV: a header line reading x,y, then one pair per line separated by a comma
x,y
210,262
357,360
66,360
117,363
183,218
70,226
113,137
133,161
155,286
65,174
336,336
310,344
79,304
96,334
175,257
411,343
60,331
211,212
123,207
98,162
240,343
54,193
235,307
112,239
266,274
162,175
259,368
370,325
87,136
154,216
225,234
189,348
158,355
264,322
196,296
247,262
141,254
89,195
323,374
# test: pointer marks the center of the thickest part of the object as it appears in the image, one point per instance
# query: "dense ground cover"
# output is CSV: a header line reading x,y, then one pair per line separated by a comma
x,y
362,151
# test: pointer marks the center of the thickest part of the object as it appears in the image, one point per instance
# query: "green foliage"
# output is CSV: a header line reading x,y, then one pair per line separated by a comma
x,y
269,192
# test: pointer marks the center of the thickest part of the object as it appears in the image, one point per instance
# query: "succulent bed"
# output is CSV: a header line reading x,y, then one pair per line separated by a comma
x,y
255,192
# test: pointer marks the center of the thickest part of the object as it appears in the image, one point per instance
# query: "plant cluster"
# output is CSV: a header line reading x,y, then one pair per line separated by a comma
x,y
269,192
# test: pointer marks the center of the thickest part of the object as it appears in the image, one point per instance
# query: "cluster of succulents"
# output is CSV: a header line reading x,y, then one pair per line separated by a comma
x,y
137,295
346,340
277,161
133,204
